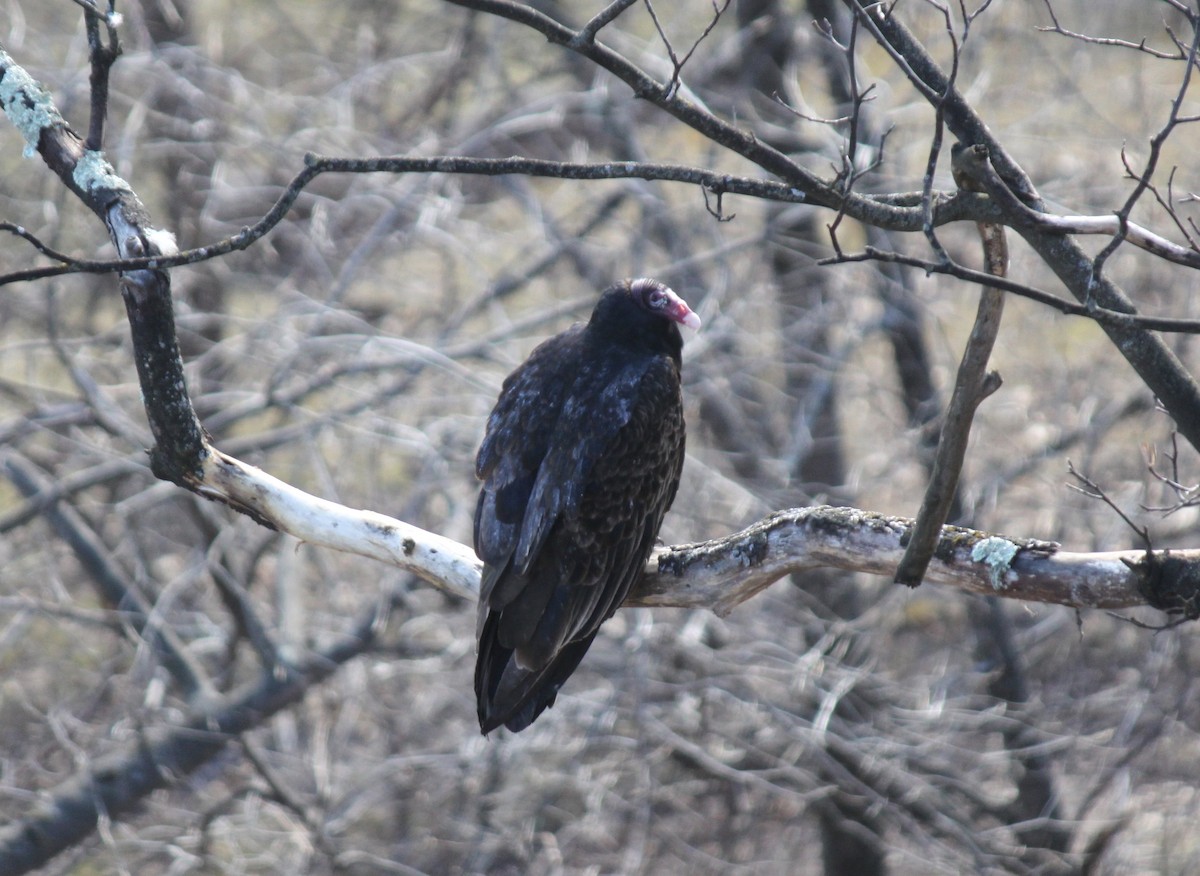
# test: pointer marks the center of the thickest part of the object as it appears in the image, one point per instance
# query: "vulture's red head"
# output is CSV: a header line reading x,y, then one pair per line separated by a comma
x,y
643,313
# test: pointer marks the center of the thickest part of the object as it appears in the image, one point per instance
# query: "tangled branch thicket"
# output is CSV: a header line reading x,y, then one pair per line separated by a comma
x,y
304,710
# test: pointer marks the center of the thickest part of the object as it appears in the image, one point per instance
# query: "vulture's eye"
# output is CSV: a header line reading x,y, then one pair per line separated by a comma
x,y
657,298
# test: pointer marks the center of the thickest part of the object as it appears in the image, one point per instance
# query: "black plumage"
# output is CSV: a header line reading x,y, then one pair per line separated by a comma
x,y
580,461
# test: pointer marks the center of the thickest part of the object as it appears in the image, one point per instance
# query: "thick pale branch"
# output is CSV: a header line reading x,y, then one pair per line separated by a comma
x,y
724,573
441,561
1140,237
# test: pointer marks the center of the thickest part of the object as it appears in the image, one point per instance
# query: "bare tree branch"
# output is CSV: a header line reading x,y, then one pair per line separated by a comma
x,y
884,211
972,384
1154,361
436,559
1143,179
603,18
1099,315
1179,54
724,573
102,59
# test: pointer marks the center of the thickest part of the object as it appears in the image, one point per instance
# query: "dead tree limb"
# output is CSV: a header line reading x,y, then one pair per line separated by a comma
x,y
973,383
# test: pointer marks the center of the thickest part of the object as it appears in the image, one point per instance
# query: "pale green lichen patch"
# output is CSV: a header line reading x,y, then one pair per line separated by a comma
x,y
997,554
26,103
92,172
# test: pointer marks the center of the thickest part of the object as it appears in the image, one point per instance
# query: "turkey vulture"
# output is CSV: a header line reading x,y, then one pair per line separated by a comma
x,y
579,463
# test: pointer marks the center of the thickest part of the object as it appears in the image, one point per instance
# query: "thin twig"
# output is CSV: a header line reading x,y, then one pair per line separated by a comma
x,y
678,63
1140,46
605,17
1101,316
1093,490
1186,495
1147,173
102,58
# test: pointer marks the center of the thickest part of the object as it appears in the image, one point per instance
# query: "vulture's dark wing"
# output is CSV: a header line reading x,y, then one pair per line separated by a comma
x,y
593,506
516,441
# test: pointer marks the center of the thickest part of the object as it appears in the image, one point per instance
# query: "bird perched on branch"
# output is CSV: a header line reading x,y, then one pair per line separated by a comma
x,y
580,461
